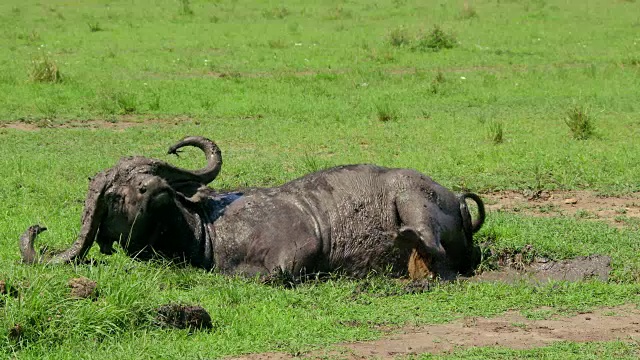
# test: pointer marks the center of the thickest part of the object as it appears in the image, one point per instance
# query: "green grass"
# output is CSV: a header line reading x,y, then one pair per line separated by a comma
x,y
286,89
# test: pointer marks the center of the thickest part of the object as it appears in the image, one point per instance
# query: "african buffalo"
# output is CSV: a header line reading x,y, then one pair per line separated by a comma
x,y
349,219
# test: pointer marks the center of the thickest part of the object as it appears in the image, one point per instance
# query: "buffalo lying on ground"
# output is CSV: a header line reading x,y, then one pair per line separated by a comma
x,y
348,219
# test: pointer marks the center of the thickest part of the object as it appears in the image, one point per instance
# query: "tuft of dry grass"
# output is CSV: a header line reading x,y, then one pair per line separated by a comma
x,y
45,70
496,132
435,40
399,37
580,123
385,113
468,11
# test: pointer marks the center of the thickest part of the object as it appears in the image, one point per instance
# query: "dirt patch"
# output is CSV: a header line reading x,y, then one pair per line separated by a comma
x,y
91,124
617,211
122,122
510,330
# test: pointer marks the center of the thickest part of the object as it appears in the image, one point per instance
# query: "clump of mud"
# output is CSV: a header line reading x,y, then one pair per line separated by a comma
x,y
83,288
16,333
576,269
183,317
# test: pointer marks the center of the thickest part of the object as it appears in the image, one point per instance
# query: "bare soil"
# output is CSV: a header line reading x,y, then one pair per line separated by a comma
x,y
510,330
120,124
615,210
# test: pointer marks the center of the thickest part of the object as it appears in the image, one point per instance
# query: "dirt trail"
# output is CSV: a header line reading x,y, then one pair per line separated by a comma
x,y
617,211
510,330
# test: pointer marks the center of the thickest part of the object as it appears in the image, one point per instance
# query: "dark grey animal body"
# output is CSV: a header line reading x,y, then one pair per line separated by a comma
x,y
350,219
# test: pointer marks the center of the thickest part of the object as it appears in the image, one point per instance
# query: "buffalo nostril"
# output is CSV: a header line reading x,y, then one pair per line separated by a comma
x,y
142,189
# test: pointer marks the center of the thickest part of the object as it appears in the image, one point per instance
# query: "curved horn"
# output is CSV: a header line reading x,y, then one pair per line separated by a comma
x,y
94,209
211,152
29,255
477,224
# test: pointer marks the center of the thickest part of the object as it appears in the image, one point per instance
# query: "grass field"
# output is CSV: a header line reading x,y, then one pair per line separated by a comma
x,y
479,95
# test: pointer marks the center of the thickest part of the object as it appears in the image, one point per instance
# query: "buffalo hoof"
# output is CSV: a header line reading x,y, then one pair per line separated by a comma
x,y
183,317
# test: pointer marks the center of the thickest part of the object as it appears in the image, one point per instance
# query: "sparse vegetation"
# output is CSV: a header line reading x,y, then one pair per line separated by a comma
x,y
436,40
120,102
580,123
437,82
154,104
47,108
277,44
468,11
276,13
185,8
339,13
496,132
399,37
94,26
384,112
44,70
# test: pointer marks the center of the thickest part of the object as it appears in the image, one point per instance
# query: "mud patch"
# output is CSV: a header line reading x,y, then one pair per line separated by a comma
x,y
510,330
543,270
617,211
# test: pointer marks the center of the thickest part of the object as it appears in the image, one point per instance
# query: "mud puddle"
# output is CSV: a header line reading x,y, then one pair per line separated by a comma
x,y
543,270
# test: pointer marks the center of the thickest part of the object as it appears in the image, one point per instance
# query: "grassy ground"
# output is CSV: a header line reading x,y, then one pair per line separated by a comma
x,y
288,88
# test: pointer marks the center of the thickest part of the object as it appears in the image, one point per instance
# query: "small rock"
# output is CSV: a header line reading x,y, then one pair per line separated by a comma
x,y
571,201
183,317
83,288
